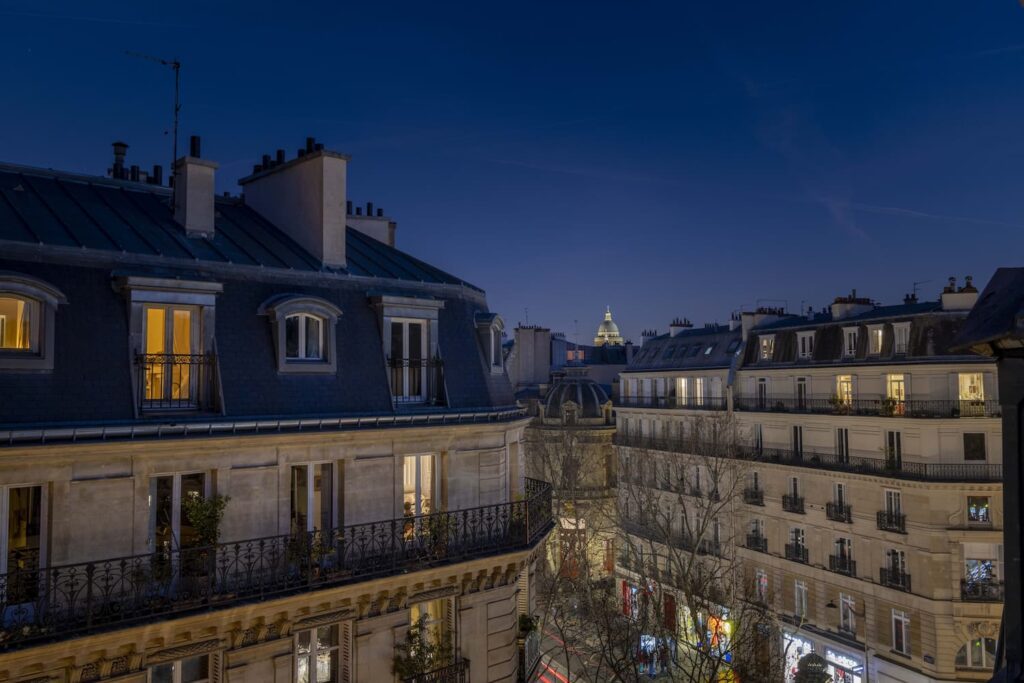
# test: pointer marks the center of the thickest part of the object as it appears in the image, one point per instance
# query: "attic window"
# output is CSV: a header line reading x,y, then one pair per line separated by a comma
x,y
669,350
875,339
695,350
681,352
766,347
733,345
490,328
27,317
709,349
849,341
805,344
302,328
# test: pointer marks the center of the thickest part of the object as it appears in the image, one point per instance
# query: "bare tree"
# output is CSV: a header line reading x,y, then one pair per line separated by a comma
x,y
685,607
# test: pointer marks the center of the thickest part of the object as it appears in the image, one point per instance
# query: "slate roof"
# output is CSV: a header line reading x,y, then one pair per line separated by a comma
x,y
113,228
688,350
878,313
54,208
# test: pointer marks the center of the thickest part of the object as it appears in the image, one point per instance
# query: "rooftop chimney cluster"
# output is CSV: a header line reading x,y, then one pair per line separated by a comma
x,y
119,171
968,287
770,310
959,298
268,162
359,210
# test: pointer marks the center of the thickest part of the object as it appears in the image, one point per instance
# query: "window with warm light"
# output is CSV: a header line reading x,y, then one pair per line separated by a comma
x,y
27,319
978,510
418,485
971,386
19,328
844,389
896,392
980,653
875,335
766,347
317,655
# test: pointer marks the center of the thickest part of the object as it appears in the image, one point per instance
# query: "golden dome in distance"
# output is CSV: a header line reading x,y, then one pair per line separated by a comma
x,y
608,331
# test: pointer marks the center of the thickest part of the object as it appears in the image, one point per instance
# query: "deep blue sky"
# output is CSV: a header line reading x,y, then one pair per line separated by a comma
x,y
667,159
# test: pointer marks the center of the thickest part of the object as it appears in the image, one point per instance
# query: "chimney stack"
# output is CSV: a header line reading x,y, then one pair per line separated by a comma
x,y
193,192
959,299
120,150
678,325
305,197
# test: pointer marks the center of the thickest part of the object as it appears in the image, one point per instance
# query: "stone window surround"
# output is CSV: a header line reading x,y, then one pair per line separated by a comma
x,y
279,307
43,326
489,326
410,308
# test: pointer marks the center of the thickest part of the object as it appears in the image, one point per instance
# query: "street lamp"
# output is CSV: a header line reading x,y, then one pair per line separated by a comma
x,y
995,328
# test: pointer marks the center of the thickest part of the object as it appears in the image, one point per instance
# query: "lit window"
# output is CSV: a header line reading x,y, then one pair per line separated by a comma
x,y
27,317
303,337
980,653
805,342
901,337
761,582
901,631
875,340
189,670
844,390
709,349
971,386
766,347
317,658
978,510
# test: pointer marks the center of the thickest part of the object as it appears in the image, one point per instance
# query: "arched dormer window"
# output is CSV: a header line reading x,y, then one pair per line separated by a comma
x,y
28,308
302,328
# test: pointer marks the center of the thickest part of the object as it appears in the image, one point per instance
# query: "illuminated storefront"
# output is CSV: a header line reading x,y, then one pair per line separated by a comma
x,y
844,667
794,647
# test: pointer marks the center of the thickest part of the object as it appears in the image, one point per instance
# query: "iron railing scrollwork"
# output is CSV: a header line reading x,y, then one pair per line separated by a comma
x,y
983,590
49,603
456,672
796,552
842,564
876,407
417,380
892,521
838,512
176,381
894,578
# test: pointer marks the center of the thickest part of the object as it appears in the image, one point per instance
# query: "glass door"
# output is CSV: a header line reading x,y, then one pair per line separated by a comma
x,y
171,364
23,542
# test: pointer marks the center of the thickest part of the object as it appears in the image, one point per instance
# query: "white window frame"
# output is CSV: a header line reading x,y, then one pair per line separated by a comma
x,y
761,584
876,336
44,522
435,492
847,613
175,503
900,338
406,396
901,625
805,344
800,598
964,383
893,501
44,300
177,669
844,390
850,339
766,347
301,341
311,493
315,650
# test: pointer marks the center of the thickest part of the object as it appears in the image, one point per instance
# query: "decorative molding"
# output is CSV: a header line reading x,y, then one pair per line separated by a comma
x,y
322,619
433,594
180,651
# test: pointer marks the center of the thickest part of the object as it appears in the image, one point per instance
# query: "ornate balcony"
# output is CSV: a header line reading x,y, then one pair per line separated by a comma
x,y
793,503
894,578
838,512
417,380
877,407
796,552
458,672
673,402
752,496
892,521
917,471
176,382
842,564
58,602
757,542
988,590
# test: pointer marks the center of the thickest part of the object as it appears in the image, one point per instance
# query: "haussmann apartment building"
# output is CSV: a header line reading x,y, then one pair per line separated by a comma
x,y
870,515
164,350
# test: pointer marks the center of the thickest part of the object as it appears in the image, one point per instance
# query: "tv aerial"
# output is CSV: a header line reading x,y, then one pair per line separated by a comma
x,y
176,66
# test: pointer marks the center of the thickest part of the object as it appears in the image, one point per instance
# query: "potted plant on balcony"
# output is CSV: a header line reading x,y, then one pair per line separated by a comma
x,y
887,406
423,651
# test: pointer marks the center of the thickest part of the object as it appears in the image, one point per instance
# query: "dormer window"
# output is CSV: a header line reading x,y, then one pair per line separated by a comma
x,y
411,354
849,341
805,344
766,347
490,329
27,316
709,349
875,333
303,331
901,337
304,337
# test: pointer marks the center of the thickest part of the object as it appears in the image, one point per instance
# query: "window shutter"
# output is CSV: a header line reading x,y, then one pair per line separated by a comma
x,y
216,665
906,387
954,386
449,621
853,383
523,596
990,387
345,646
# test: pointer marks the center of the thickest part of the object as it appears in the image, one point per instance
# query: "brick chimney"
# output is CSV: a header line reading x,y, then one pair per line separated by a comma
x,y
305,197
193,192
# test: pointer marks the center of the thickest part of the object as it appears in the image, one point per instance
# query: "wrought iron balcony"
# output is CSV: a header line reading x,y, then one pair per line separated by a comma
x,y
673,402
796,552
986,590
753,496
417,380
176,381
457,672
838,512
894,578
892,521
58,602
842,564
793,503
757,542
917,471
877,407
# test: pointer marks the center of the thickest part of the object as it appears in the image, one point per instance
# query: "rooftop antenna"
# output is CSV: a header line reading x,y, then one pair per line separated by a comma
x,y
913,287
526,312
576,340
176,66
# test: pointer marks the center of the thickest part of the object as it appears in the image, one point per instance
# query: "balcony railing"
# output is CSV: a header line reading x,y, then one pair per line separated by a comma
x,y
417,380
757,542
842,564
458,672
918,471
793,503
796,552
56,602
894,578
673,402
176,381
892,521
838,512
981,591
752,496
877,407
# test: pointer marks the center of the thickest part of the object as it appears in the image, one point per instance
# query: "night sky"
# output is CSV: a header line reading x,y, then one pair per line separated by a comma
x,y
665,159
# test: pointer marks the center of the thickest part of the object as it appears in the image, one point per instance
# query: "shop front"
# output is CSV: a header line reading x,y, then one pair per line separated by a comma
x,y
844,667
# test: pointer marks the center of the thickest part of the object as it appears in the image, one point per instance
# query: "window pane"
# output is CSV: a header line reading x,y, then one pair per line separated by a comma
x,y
192,486
303,669
327,667
16,323
323,496
291,336
182,333
304,642
300,499
415,341
162,673
326,636
156,332
162,502
195,669
313,337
